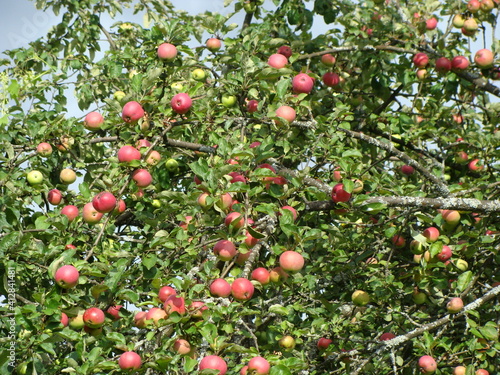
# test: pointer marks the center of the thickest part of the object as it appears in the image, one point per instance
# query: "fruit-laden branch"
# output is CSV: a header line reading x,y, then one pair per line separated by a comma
x,y
459,204
168,142
270,226
439,184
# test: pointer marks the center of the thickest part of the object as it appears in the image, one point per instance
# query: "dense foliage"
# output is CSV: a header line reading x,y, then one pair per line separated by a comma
x,y
413,150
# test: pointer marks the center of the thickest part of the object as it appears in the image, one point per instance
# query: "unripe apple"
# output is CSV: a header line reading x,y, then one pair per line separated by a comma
x,y
104,202
90,214
142,177
34,177
360,298
67,176
213,44
44,149
67,276
458,21
277,61
93,121
484,58
328,59
302,83
130,361
228,101
70,211
470,25
76,322
173,304
431,234
291,261
132,112
66,142
181,103
285,51
287,113
277,274
167,52
198,75
259,366
339,194
93,317
54,197
422,74
455,305
419,297
119,95
213,362
420,60
242,289
182,346
462,265
287,342
427,364
451,216
225,250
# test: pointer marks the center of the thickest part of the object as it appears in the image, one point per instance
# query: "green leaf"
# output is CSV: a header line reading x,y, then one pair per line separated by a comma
x,y
149,261
464,280
280,370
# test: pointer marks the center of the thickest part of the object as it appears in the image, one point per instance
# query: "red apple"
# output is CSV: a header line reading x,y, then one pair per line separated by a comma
x,y
196,309
132,112
242,289
181,103
130,361
277,61
67,276
93,317
54,197
302,83
252,106
331,79
292,210
128,153
484,58
255,144
165,292
451,216
235,217
474,167
455,305
44,149
250,240
225,250
459,63
155,314
473,6
431,23
421,74
140,319
114,311
182,346
64,320
487,5
174,304
285,51
104,202
386,336
142,143
443,65
93,121
427,364
67,176
213,362
431,233
459,370
261,275
259,366
407,170
142,177
339,194
482,371
291,261
90,214
213,44
220,288
323,343
328,59
398,241
167,52
153,158
420,60
445,254
287,113
120,207
70,211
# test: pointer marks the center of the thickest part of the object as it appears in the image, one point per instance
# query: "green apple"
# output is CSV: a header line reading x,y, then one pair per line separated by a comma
x,y
462,265
156,203
172,165
249,6
34,177
119,95
177,86
360,298
419,297
228,100
76,322
198,74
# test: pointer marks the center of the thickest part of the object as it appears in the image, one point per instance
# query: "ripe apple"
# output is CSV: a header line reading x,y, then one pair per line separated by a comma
x,y
277,274
140,319
331,79
487,6
165,292
261,275
93,317
287,342
142,177
328,59
459,63
473,6
407,170
225,201
252,105
104,202
443,65
54,197
66,142
142,144
484,58
34,177
213,44
235,217
470,25
93,121
67,176
202,200
386,336
459,370
176,304
398,241
287,113
427,364
196,309
128,153
132,112
67,276
242,289
420,60
259,366
182,346
431,23
445,254
213,362
225,250
360,298
90,214
228,101
167,52
198,75
482,371
76,322
277,61
244,370
44,149
64,320
181,103
130,361
451,216
474,167
154,314
285,51
114,311
455,305
431,234
339,194
458,21
323,343
302,83
292,210
70,211
291,261
422,74
120,207
220,288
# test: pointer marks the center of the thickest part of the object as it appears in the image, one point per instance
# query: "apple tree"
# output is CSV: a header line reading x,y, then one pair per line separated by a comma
x,y
290,188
